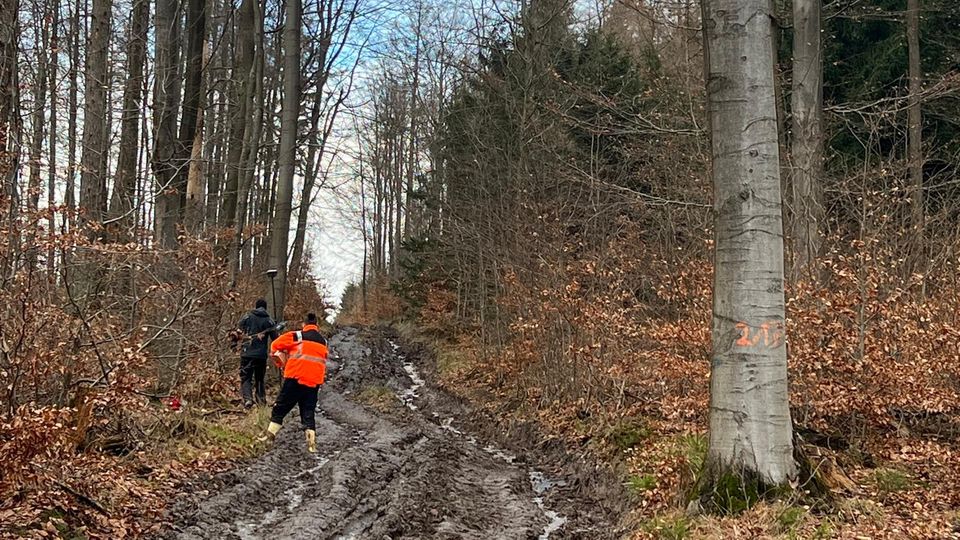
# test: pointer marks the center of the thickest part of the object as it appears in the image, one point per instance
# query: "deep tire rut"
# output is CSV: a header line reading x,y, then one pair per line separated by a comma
x,y
397,474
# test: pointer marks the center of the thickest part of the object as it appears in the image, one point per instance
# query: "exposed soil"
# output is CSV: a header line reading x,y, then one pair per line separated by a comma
x,y
400,466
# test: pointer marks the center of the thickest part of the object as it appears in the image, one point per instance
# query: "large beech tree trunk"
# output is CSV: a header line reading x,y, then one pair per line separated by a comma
x,y
750,446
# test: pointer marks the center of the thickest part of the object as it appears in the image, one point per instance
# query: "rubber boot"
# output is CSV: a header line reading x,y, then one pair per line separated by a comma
x,y
311,441
271,433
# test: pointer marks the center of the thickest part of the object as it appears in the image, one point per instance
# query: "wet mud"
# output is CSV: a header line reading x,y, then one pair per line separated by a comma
x,y
407,471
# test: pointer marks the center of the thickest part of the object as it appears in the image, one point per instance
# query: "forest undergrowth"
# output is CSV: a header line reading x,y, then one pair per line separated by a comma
x,y
120,385
874,388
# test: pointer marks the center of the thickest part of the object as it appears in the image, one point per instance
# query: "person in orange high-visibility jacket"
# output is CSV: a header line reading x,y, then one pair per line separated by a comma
x,y
303,356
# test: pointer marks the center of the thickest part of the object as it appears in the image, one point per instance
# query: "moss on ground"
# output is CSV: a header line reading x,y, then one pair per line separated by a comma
x,y
626,434
232,436
724,492
889,480
377,397
789,519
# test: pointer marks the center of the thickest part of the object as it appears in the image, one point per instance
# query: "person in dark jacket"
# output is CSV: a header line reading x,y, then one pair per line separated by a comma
x,y
257,328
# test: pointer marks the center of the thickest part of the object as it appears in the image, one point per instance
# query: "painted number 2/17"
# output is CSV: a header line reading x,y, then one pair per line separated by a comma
x,y
768,335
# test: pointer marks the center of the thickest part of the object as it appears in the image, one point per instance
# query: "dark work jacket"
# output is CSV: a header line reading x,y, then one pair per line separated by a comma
x,y
314,335
252,324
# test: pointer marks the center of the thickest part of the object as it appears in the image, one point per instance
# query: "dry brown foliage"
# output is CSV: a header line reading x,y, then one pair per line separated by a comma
x,y
107,368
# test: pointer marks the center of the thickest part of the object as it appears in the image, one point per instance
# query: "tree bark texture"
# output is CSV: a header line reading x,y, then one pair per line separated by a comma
x,y
121,202
915,134
191,120
54,62
194,211
243,96
8,68
290,112
166,99
69,198
250,130
807,143
92,173
750,425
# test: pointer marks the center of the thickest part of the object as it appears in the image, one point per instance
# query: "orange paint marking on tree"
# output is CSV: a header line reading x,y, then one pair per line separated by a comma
x,y
769,334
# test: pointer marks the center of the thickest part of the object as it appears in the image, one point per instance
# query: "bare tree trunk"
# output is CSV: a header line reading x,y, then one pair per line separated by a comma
x,y
412,165
37,140
239,130
54,62
191,124
288,149
194,210
39,117
251,141
807,144
257,254
217,121
92,173
363,229
8,69
397,187
915,131
389,258
750,425
143,169
107,132
233,157
121,203
69,198
215,177
166,98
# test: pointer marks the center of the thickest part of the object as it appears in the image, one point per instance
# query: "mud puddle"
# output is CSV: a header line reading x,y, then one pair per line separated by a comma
x,y
407,472
408,395
538,482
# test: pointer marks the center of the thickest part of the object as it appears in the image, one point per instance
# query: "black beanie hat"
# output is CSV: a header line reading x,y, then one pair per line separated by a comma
x,y
261,303
311,318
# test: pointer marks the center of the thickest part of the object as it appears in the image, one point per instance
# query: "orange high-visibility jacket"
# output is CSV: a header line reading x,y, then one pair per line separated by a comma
x,y
307,355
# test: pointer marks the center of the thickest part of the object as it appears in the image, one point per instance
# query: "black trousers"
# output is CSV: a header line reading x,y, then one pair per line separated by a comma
x,y
252,371
304,397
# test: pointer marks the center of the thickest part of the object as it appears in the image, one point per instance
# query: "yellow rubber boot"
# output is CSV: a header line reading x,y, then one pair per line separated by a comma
x,y
311,441
271,433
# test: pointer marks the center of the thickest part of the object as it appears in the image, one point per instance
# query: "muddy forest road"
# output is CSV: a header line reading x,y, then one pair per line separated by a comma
x,y
405,470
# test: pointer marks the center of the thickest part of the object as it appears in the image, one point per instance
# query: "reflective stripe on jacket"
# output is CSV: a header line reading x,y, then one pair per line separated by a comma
x,y
307,357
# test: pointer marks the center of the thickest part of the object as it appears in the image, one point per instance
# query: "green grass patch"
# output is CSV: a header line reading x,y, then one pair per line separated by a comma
x,y
377,397
234,436
727,493
639,483
824,531
890,480
694,450
626,434
451,361
671,527
222,435
733,495
789,518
